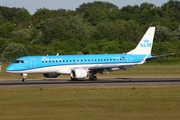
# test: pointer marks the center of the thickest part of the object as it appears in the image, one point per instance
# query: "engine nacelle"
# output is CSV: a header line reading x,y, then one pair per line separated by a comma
x,y
51,75
79,73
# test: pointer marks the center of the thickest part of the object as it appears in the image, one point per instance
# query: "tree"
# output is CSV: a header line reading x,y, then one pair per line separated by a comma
x,y
14,15
96,27
6,29
130,12
162,34
20,36
96,12
57,28
176,34
13,51
147,13
172,10
2,44
42,14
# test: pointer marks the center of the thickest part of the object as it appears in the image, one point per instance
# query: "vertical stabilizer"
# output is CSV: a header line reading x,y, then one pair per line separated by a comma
x,y
145,45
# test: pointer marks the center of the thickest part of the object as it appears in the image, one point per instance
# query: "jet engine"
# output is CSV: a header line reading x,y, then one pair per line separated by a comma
x,y
51,75
79,73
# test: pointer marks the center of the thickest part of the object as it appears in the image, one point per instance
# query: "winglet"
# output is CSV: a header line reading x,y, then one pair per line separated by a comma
x,y
145,45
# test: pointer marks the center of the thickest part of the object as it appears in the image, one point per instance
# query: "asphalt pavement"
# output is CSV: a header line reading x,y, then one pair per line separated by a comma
x,y
86,82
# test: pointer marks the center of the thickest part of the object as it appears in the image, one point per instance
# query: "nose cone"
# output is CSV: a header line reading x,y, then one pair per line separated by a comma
x,y
10,68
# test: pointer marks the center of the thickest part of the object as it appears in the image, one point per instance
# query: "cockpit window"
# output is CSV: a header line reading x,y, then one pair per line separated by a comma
x,y
18,61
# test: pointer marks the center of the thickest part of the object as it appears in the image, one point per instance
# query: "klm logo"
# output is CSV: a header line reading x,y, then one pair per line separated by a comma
x,y
146,43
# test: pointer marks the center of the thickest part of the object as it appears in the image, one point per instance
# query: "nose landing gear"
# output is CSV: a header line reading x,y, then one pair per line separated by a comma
x,y
24,79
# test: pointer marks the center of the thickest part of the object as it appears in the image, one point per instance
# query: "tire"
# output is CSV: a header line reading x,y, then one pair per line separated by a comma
x,y
24,80
93,78
74,79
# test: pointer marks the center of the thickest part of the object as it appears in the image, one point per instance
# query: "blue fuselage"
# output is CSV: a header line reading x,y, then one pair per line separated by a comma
x,y
48,64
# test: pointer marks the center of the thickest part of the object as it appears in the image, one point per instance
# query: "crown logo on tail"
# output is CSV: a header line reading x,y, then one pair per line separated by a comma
x,y
146,43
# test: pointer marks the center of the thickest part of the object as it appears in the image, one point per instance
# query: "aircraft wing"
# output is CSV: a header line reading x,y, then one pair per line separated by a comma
x,y
108,67
101,68
157,56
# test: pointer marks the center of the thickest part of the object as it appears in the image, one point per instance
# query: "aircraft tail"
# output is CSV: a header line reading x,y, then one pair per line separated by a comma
x,y
145,45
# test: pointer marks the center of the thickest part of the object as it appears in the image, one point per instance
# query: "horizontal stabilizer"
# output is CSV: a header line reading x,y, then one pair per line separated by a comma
x,y
157,56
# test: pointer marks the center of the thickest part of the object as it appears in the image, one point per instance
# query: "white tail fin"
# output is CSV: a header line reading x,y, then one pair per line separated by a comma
x,y
145,45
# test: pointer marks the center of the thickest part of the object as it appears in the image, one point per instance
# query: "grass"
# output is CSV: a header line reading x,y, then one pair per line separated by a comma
x,y
141,71
90,103
94,103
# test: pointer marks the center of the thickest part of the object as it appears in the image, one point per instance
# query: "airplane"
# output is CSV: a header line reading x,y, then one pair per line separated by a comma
x,y
82,66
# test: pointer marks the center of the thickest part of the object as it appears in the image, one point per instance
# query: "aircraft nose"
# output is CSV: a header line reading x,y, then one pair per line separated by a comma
x,y
10,69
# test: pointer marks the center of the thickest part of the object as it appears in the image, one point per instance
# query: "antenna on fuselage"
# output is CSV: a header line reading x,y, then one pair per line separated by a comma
x,y
85,52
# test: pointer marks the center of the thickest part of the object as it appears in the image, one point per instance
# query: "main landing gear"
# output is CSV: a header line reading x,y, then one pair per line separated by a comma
x,y
93,78
24,79
74,79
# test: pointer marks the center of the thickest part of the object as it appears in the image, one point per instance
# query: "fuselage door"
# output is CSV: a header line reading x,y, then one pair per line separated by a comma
x,y
33,62
128,59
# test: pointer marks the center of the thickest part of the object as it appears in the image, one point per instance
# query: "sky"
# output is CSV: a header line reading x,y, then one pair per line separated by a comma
x,y
33,5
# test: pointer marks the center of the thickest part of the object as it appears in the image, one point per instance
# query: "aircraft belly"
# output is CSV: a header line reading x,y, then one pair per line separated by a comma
x,y
68,68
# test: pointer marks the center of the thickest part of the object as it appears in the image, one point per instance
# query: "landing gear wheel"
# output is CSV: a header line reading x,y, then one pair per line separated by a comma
x,y
74,79
93,78
24,79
